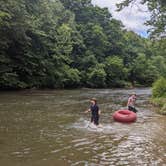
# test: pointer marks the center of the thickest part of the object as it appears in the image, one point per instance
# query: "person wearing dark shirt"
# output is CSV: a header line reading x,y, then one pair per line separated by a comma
x,y
95,112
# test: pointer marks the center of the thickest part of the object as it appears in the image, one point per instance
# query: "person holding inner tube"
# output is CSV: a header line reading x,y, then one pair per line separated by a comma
x,y
95,112
131,102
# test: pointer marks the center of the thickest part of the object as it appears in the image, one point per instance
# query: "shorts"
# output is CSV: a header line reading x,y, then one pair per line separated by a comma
x,y
131,108
95,119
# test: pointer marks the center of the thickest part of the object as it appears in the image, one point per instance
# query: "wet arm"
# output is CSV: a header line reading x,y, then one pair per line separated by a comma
x,y
128,102
88,110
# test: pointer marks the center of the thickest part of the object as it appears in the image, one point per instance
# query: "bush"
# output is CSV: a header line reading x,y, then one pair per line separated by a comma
x,y
163,110
159,105
143,71
116,72
158,102
96,77
159,88
71,78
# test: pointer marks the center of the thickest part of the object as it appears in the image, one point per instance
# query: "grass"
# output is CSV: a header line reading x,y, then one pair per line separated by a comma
x,y
160,104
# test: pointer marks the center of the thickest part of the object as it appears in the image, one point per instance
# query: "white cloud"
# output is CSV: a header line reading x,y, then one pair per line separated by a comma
x,y
133,17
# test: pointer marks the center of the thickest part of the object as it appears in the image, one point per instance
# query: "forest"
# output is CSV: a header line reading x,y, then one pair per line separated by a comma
x,y
71,44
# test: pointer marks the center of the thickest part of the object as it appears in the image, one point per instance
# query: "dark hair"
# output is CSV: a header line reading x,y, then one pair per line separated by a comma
x,y
94,99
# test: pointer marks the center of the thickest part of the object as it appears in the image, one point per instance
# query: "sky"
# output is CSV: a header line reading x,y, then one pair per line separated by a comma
x,y
133,17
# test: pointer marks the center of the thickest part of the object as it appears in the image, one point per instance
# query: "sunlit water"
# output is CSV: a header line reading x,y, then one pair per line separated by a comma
x,y
49,128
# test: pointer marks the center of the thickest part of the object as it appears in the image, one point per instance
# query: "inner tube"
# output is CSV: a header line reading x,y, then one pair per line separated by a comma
x,y
124,116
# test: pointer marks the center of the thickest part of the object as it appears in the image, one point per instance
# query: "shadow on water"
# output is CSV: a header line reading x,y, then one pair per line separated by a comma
x,y
39,128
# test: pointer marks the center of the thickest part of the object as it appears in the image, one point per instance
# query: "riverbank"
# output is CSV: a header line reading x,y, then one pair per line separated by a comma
x,y
159,95
159,104
127,87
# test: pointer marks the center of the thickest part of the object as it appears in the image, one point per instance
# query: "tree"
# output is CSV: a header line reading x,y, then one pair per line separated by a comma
x,y
13,43
157,9
160,64
71,77
116,72
95,40
159,88
36,41
143,71
70,43
96,77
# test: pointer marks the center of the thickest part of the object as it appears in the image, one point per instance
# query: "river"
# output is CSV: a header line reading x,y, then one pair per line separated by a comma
x,y
49,128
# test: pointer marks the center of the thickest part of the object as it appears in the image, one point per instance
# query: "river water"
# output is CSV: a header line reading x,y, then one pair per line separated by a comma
x,y
49,128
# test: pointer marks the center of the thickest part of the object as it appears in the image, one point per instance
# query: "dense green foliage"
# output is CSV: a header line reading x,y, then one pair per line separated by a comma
x,y
159,88
71,43
159,105
159,95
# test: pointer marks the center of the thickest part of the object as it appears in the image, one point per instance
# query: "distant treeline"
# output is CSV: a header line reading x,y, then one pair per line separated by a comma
x,y
71,43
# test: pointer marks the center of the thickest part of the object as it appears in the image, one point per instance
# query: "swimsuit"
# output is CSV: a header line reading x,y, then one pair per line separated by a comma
x,y
95,114
131,104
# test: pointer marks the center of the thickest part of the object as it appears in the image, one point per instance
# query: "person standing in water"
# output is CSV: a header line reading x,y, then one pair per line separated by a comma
x,y
131,102
95,112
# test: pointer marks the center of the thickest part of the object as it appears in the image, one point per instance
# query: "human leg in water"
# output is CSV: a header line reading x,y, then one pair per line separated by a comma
x,y
133,109
92,119
96,120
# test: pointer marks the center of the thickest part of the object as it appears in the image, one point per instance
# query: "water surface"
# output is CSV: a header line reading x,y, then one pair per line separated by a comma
x,y
49,128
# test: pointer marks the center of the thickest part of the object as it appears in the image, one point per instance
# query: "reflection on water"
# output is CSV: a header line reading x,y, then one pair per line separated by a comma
x,y
39,128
